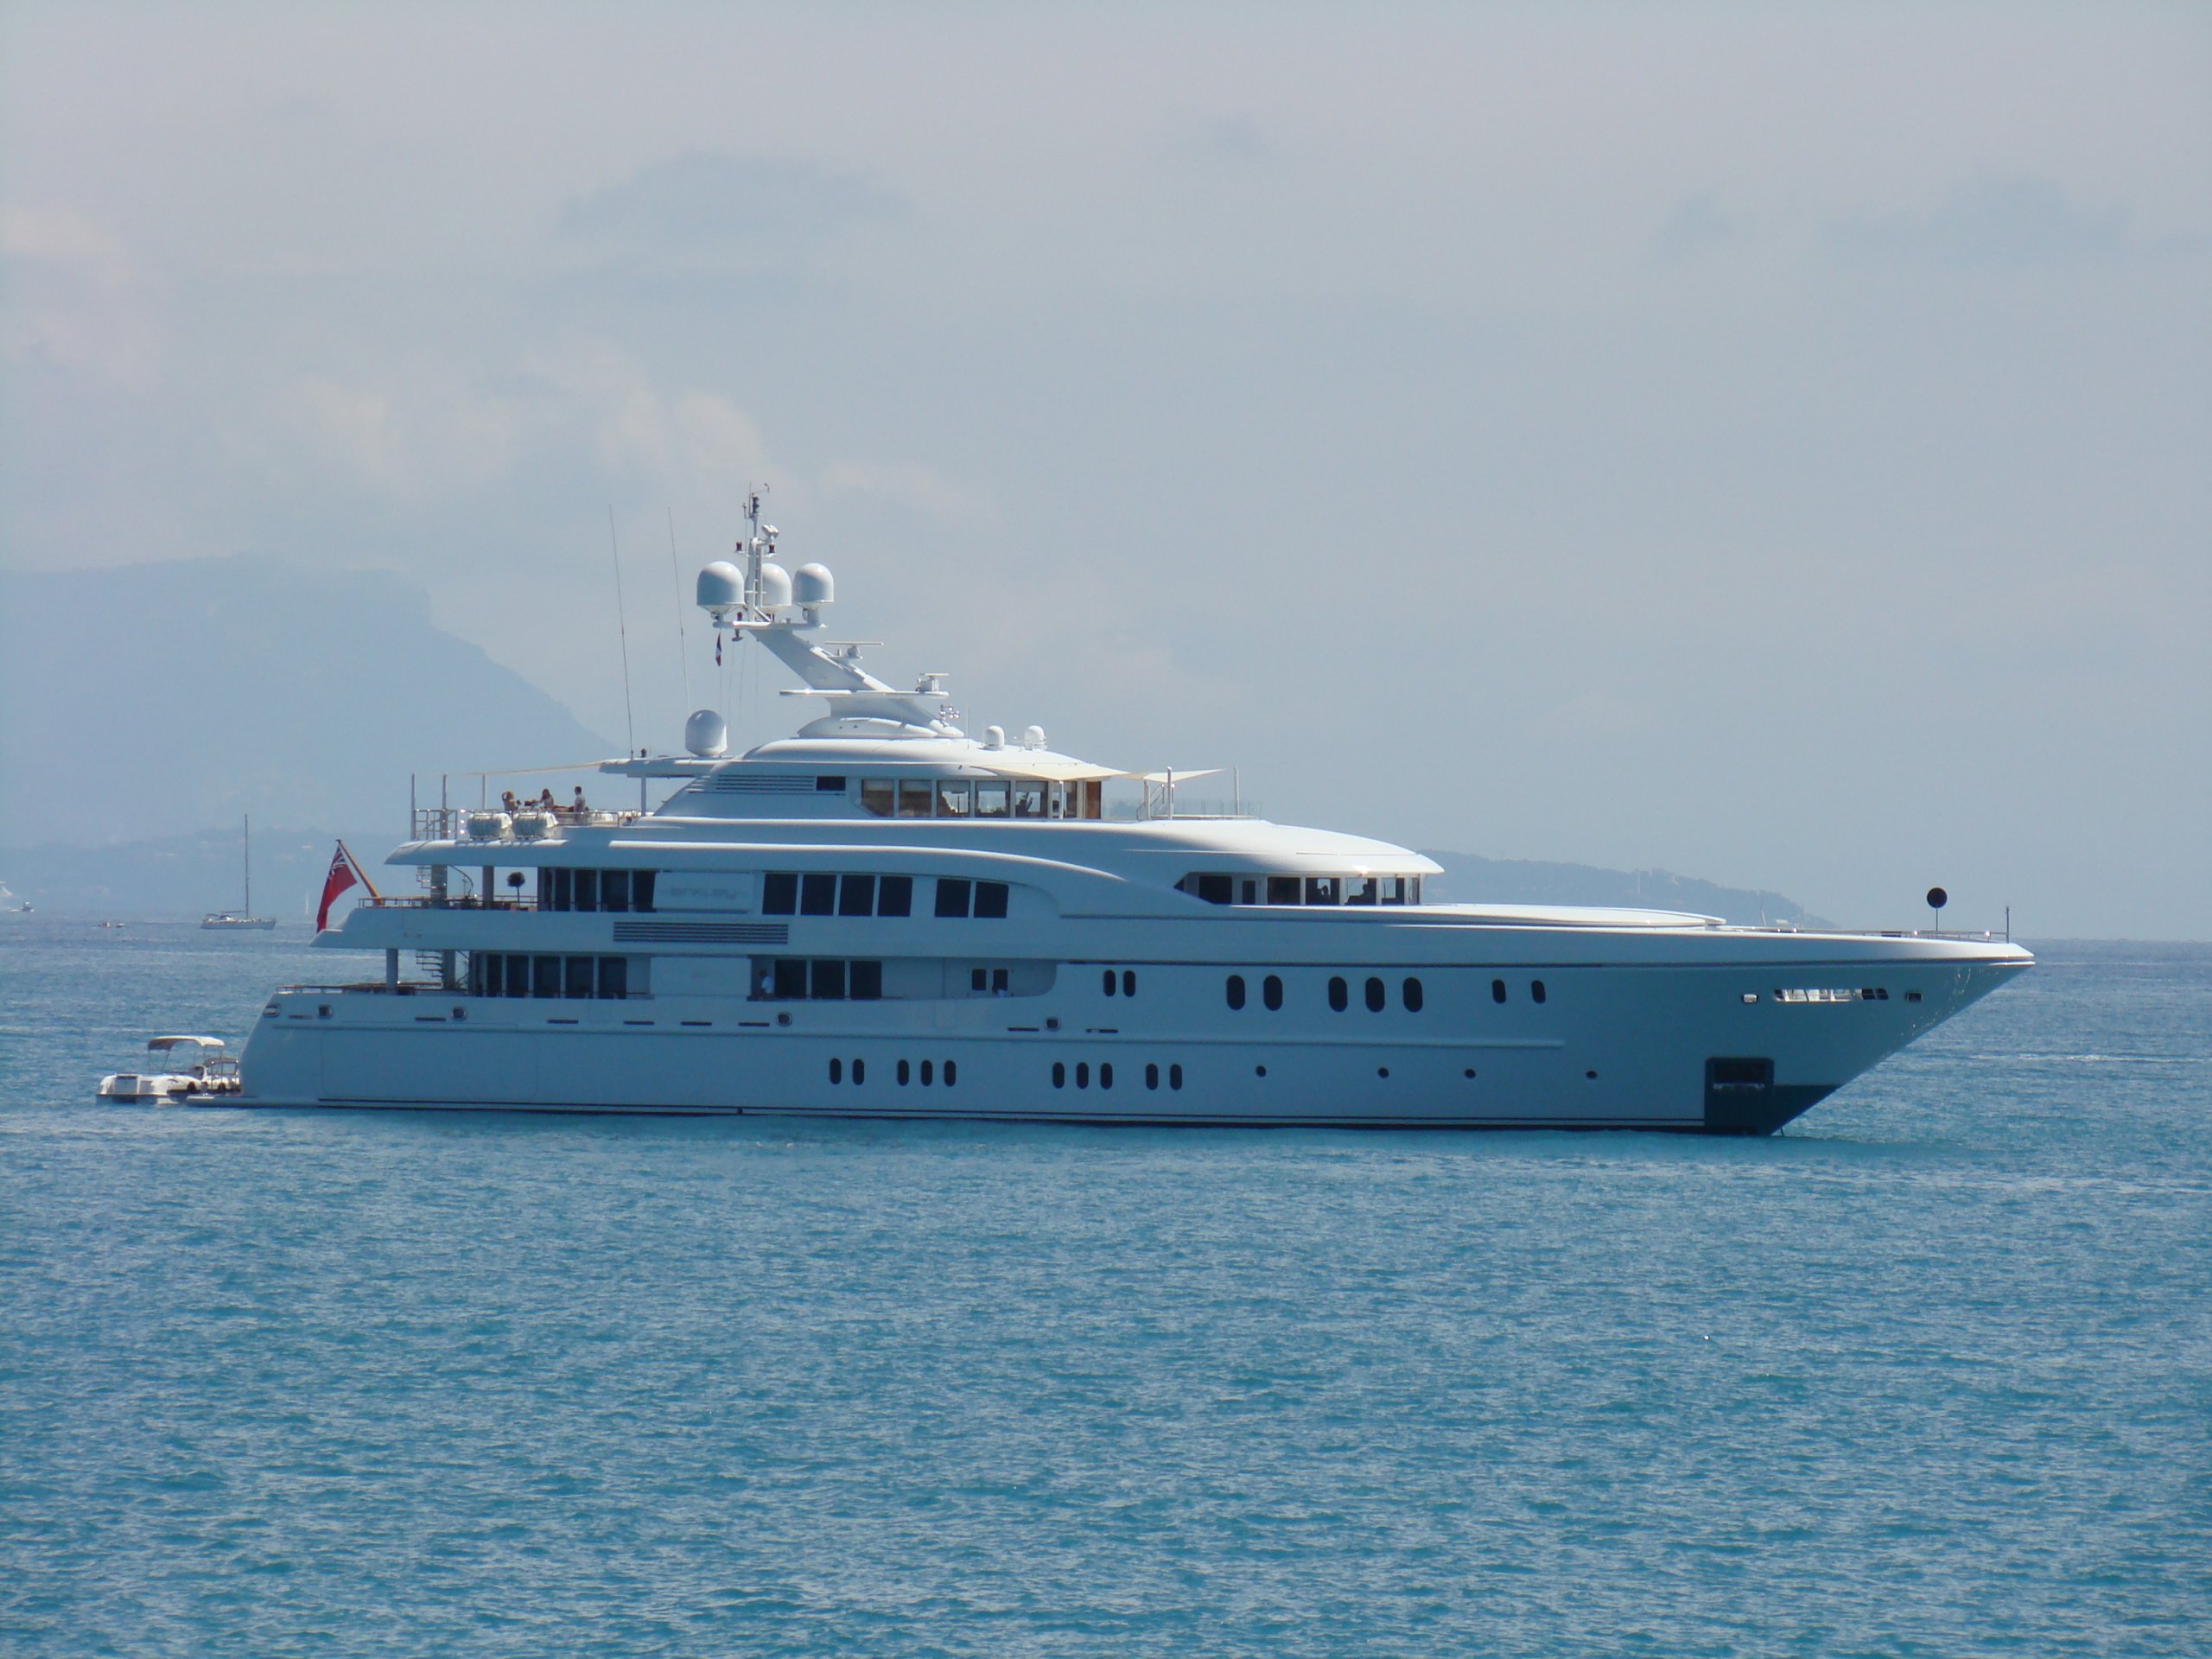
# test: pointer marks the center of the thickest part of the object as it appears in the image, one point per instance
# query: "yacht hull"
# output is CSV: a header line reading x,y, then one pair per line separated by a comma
x,y
1710,1047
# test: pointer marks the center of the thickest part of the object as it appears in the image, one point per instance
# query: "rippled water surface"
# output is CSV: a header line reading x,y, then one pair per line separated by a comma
x,y
1929,1374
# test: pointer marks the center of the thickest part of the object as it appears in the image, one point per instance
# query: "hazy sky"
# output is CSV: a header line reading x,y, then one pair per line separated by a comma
x,y
1771,443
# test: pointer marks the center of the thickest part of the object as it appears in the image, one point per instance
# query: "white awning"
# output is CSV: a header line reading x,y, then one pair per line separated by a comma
x,y
162,1045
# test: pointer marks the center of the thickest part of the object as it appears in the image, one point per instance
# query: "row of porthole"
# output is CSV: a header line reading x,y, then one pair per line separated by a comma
x,y
1377,994
1152,1075
905,1073
1127,985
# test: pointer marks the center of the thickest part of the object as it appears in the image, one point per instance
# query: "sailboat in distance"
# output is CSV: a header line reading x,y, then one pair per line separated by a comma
x,y
243,917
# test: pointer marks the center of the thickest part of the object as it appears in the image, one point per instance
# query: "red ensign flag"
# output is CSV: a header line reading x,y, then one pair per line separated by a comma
x,y
342,875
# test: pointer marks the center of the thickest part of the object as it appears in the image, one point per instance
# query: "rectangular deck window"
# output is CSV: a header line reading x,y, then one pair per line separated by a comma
x,y
990,899
614,977
587,889
780,894
1282,889
914,795
953,893
577,976
817,893
1028,800
615,887
545,976
877,795
991,799
954,798
856,896
894,895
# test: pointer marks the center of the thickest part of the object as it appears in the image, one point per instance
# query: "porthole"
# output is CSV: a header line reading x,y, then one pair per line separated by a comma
x,y
836,1070
902,1074
1382,1070
1271,992
1059,1074
1107,982
1174,1077
951,1072
1339,994
1129,981
1536,989
1469,1072
1082,1074
859,1072
1258,1071
1375,996
1592,1076
1235,990
1151,1075
1498,990
1412,992
1106,1074
929,1073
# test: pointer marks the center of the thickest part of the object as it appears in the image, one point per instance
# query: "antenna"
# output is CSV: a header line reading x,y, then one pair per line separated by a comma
x,y
683,644
622,621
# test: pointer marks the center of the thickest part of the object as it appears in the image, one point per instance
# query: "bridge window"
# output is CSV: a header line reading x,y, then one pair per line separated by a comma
x,y
1029,799
991,799
953,798
878,795
914,795
801,979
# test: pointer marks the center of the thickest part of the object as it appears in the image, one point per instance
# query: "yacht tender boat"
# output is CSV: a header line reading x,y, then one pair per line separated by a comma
x,y
206,1070
883,916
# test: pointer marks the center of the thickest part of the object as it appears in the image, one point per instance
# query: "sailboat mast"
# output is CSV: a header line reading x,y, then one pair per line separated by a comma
x,y
246,839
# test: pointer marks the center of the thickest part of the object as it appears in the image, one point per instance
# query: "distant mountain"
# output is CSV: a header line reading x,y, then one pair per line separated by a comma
x,y
1470,879
163,698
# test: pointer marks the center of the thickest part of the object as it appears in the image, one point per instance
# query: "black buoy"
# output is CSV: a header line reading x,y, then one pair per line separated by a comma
x,y
1936,900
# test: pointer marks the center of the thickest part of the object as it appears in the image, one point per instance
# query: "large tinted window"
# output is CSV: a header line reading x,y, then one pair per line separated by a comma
x,y
952,895
780,894
894,895
817,893
856,896
614,977
990,899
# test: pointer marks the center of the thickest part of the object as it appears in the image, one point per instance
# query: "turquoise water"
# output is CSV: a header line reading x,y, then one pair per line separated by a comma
x,y
1930,1374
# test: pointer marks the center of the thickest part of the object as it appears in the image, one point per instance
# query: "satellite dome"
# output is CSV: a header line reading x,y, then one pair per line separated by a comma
x,y
812,585
775,587
707,734
1033,737
995,737
722,588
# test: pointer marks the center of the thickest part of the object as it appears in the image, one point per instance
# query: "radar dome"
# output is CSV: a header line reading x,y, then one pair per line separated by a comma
x,y
775,587
722,588
1033,737
995,737
812,585
707,734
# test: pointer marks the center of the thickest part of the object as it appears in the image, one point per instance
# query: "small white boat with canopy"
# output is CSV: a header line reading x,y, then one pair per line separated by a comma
x,y
196,1065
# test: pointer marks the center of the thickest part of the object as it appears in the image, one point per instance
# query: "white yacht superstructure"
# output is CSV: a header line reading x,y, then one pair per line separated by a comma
x,y
885,917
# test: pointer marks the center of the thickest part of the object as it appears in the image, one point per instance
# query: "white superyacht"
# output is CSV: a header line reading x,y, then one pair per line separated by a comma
x,y
883,916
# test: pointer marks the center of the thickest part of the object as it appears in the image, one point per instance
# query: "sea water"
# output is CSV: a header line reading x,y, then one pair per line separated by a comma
x,y
1930,1373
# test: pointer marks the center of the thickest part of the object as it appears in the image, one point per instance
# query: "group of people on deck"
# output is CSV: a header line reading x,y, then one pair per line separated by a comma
x,y
575,812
